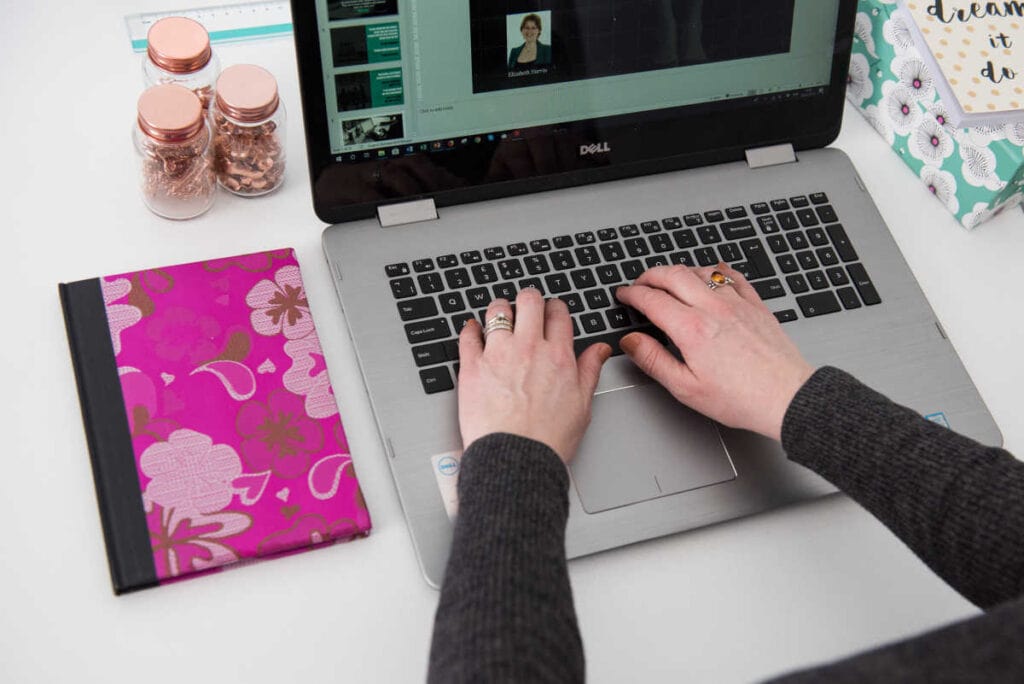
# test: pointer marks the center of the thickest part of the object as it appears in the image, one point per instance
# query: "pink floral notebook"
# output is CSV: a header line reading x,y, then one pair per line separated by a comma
x,y
211,421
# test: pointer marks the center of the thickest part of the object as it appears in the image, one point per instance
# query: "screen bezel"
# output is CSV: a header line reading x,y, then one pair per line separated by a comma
x,y
641,143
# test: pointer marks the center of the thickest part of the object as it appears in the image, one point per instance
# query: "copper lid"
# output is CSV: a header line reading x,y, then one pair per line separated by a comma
x,y
178,45
170,113
247,93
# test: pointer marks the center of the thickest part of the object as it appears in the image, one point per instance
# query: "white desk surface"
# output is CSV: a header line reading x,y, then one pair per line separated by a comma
x,y
736,602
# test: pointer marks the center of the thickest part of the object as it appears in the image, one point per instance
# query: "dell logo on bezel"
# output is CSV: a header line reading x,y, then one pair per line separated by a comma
x,y
597,148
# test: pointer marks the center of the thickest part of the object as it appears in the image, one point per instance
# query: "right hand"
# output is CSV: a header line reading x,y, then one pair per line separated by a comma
x,y
739,366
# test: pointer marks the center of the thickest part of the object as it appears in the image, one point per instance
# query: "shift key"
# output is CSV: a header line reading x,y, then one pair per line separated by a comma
x,y
427,331
859,276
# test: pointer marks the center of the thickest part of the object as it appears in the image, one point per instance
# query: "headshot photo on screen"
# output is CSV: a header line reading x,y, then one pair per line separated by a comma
x,y
528,40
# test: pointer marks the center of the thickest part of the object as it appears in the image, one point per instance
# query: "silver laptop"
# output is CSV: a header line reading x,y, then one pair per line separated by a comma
x,y
465,150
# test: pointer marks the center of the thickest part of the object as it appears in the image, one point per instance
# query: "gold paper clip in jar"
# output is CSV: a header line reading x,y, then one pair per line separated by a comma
x,y
178,51
172,141
249,131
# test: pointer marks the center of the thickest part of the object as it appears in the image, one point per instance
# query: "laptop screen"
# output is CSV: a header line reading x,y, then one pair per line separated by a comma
x,y
452,80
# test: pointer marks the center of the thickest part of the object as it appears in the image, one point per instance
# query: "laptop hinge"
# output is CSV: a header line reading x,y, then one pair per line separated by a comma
x,y
774,155
404,213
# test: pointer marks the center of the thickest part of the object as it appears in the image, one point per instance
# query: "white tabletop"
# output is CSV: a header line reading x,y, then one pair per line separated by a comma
x,y
735,602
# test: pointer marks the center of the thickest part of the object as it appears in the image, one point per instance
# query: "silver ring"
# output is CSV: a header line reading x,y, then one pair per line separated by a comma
x,y
718,279
498,322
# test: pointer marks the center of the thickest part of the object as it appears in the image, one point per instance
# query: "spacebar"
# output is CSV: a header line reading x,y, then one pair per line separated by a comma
x,y
612,338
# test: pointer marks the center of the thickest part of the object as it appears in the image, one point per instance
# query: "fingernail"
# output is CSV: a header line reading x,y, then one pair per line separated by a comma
x,y
618,290
629,343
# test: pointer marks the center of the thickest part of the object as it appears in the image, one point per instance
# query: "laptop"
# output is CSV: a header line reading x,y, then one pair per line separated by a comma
x,y
465,150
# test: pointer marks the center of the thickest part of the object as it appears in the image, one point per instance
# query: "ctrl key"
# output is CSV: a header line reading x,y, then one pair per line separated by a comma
x,y
436,380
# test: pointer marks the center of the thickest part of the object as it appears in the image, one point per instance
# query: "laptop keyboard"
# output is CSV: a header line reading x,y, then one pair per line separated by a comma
x,y
786,246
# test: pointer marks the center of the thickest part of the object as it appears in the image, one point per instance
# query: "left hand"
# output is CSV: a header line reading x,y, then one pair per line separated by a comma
x,y
528,382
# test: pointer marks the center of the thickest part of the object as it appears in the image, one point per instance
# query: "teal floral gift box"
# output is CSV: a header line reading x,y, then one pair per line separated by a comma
x,y
975,172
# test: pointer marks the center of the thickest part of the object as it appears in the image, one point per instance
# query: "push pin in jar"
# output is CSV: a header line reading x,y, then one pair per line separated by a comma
x,y
172,141
178,51
249,131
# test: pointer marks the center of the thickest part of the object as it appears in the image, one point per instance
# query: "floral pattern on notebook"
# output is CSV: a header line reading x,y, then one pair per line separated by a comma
x,y
239,446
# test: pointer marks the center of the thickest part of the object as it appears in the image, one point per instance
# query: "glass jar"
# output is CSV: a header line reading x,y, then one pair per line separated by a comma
x,y
248,131
178,51
172,142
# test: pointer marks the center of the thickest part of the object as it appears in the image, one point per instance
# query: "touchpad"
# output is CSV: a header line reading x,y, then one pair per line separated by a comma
x,y
642,444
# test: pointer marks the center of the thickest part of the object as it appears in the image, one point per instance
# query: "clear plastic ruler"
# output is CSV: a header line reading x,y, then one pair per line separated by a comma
x,y
225,23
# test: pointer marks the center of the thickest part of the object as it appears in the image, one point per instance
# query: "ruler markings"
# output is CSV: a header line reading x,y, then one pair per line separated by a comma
x,y
225,23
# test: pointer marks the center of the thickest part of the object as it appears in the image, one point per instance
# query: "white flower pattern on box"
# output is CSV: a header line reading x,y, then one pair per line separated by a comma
x,y
901,105
913,75
862,29
858,82
979,168
930,142
942,184
897,34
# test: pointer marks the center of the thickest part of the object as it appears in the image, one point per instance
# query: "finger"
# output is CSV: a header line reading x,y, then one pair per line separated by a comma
x,y
496,307
683,283
741,285
471,343
657,362
664,310
557,322
530,314
589,366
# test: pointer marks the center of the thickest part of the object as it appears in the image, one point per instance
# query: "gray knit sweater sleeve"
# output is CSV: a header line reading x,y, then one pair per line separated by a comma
x,y
506,612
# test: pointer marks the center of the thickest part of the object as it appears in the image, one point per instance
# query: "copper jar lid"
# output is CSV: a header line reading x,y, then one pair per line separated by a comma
x,y
170,113
178,45
247,93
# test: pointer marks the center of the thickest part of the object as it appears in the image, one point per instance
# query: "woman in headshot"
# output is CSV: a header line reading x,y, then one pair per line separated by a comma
x,y
532,52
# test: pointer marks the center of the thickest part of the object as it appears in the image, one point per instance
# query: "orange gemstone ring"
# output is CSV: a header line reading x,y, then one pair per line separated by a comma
x,y
718,279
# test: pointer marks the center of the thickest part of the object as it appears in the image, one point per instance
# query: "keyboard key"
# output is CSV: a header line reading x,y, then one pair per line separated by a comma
x,y
562,260
836,276
451,347
429,354
735,212
452,302
786,315
587,256
736,230
447,261
709,235
848,297
618,317
504,291
436,380
682,258
797,240
757,258
396,270
612,251
478,297
484,274
693,220
596,299
841,242
632,269
414,309
573,301
760,208
797,283
685,239
585,238
535,283
807,260
817,237
517,249
494,253
606,234
818,304
827,214
787,220
612,339
706,256
807,217
819,198
769,289
403,287
779,204
511,269
423,265
592,323
583,278
787,263
427,331
458,323
777,243
671,223
575,328
745,269
661,242
657,260
540,245
562,242
650,227
798,202
430,283
827,256
557,283
608,273
714,216
730,252
768,224
817,280
457,278
629,231
863,283
471,257
637,247
536,264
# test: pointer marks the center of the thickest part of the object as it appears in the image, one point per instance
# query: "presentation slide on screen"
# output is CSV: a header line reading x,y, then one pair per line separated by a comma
x,y
373,44
340,10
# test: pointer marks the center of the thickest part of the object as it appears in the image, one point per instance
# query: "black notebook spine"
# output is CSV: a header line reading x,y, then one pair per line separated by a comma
x,y
109,437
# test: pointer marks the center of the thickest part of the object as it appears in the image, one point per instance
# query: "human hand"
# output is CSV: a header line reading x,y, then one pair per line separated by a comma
x,y
738,368
528,382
